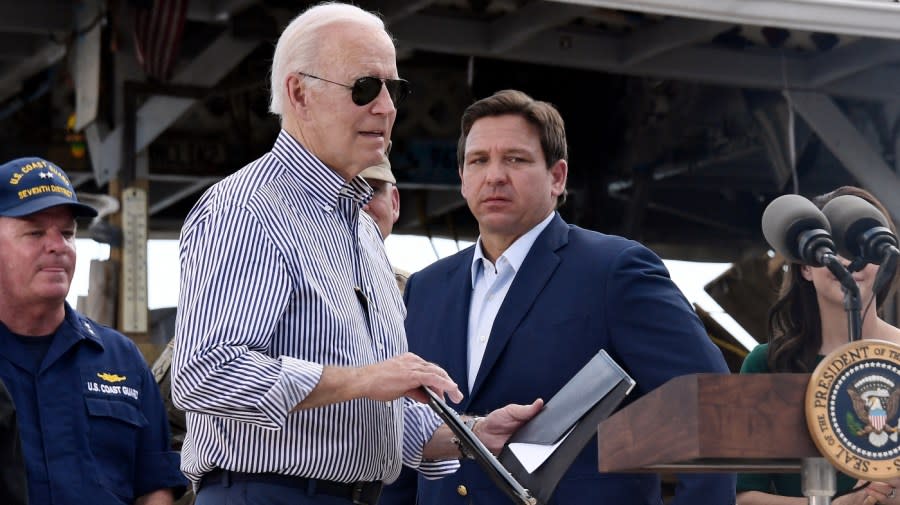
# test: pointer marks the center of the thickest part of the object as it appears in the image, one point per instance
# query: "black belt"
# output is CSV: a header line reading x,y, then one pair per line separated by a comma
x,y
359,493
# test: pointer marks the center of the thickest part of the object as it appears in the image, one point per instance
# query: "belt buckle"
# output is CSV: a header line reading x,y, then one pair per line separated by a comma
x,y
356,495
366,493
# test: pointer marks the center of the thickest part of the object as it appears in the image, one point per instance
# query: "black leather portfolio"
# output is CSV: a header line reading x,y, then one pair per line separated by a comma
x,y
570,417
499,475
574,413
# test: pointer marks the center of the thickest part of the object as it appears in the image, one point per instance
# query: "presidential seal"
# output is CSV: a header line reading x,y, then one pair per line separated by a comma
x,y
853,406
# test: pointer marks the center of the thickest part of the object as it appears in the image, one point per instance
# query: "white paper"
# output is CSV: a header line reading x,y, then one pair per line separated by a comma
x,y
532,456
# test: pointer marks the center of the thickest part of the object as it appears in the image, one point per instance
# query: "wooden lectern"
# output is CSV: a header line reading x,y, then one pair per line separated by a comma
x,y
712,423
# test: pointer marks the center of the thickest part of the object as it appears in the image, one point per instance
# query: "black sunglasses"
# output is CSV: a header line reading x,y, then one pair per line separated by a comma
x,y
366,89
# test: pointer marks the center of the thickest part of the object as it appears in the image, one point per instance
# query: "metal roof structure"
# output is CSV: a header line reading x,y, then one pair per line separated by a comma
x,y
685,117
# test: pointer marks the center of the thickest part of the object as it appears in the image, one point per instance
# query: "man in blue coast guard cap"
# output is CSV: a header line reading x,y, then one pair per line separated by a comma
x,y
92,424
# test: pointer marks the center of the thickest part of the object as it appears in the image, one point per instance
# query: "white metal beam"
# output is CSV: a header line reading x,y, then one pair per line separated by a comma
x,y
15,47
456,36
851,59
36,16
854,17
762,68
84,64
215,11
159,112
395,10
528,21
876,81
182,191
849,146
666,36
12,76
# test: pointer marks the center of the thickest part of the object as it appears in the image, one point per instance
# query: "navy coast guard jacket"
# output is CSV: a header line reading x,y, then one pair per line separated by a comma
x,y
91,419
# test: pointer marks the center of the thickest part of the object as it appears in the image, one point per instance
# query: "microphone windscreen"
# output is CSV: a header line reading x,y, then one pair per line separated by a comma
x,y
785,219
850,216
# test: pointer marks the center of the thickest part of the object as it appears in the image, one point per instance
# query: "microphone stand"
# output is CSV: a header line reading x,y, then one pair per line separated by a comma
x,y
817,248
818,476
887,268
852,302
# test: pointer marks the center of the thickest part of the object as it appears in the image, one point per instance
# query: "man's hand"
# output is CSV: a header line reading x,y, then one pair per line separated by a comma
x,y
386,381
883,493
495,429
403,375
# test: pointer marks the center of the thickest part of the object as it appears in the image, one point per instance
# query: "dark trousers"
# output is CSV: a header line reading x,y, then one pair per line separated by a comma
x,y
262,493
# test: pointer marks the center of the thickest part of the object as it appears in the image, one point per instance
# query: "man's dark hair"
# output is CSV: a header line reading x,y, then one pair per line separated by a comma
x,y
542,115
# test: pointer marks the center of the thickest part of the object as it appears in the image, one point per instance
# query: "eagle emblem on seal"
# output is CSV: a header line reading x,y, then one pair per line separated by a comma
x,y
875,402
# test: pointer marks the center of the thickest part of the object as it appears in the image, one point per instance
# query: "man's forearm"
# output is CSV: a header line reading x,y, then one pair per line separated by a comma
x,y
336,385
441,445
384,381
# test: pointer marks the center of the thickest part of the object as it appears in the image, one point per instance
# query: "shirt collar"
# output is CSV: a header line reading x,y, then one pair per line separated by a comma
x,y
81,326
515,254
74,329
73,323
323,184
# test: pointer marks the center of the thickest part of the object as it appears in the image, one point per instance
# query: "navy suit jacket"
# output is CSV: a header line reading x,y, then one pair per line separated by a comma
x,y
576,292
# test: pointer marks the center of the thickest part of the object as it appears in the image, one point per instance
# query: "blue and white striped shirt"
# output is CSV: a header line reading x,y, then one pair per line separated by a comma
x,y
270,257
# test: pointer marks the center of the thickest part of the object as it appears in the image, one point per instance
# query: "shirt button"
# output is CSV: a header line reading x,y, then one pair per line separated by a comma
x,y
482,339
379,346
461,490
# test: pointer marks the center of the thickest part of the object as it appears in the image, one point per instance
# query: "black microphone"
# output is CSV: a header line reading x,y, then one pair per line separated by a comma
x,y
798,230
860,229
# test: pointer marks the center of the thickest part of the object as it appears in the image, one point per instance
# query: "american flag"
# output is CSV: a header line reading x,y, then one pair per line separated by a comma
x,y
158,25
877,416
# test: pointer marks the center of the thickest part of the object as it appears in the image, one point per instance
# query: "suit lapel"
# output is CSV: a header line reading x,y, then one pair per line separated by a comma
x,y
455,326
536,270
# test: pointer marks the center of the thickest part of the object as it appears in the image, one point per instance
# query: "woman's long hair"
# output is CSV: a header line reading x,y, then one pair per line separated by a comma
x,y
795,325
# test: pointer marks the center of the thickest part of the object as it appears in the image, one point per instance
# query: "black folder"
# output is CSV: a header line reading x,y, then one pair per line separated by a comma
x,y
499,475
577,409
588,398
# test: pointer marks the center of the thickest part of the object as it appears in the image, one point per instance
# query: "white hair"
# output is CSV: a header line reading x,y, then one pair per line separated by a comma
x,y
300,43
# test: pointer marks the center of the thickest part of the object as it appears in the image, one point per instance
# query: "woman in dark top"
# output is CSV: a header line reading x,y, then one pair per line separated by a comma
x,y
807,322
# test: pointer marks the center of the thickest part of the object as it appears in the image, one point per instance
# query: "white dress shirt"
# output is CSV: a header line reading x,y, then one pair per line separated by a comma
x,y
490,283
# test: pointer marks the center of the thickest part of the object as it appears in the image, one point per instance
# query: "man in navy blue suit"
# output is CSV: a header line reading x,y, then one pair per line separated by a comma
x,y
514,317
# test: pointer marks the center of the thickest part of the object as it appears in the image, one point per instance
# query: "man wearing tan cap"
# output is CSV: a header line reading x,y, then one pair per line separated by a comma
x,y
384,207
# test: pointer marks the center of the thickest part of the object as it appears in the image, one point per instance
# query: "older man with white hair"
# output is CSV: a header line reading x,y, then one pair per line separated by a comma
x,y
290,358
